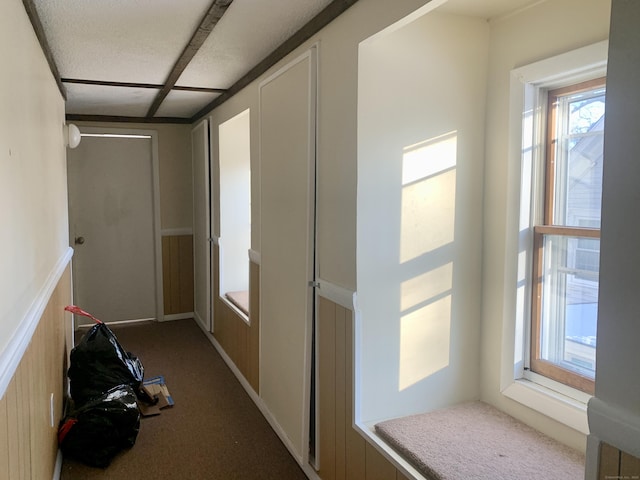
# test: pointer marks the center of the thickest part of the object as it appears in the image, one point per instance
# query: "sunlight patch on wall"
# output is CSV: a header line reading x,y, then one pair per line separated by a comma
x,y
425,336
426,237
428,196
425,287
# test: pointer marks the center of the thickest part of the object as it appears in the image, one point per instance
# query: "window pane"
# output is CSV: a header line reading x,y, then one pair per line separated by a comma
x,y
570,303
579,155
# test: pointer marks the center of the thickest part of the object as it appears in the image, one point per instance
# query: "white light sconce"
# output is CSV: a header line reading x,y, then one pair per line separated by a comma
x,y
71,135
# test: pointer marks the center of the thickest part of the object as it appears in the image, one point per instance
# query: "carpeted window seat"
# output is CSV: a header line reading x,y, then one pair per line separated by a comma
x,y
477,441
240,300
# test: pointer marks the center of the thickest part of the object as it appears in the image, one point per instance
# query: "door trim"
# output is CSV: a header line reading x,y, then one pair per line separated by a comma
x,y
208,322
155,190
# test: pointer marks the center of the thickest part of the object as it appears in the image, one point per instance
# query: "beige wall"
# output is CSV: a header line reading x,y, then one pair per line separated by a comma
x,y
33,198
35,282
174,152
544,30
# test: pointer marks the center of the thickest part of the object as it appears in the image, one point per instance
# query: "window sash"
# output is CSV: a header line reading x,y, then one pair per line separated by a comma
x,y
548,230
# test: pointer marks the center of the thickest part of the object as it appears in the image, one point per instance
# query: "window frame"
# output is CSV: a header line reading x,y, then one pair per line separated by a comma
x,y
548,226
553,399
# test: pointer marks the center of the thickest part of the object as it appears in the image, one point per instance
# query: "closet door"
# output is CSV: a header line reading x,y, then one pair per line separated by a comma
x,y
287,162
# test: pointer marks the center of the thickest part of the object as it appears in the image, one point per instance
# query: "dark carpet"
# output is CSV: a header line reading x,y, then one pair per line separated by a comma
x,y
214,431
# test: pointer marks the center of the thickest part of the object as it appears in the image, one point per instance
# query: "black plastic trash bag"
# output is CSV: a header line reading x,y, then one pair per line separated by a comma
x,y
97,431
99,363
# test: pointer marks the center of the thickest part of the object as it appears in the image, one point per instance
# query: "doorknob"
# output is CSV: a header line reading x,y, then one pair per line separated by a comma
x,y
79,240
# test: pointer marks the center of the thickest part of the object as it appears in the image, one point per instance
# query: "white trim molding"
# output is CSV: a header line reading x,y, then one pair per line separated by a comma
x,y
11,356
254,256
337,294
617,427
174,232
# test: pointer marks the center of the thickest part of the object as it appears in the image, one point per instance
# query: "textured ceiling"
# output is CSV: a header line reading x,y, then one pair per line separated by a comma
x,y
168,60
139,42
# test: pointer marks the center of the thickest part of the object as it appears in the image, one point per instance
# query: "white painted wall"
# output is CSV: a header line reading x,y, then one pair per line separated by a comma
x,y
420,154
544,30
33,199
614,414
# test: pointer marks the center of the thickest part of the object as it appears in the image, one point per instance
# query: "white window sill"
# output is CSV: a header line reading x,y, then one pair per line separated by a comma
x,y
562,408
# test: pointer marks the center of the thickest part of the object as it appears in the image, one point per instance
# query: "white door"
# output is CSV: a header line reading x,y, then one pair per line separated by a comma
x,y
201,225
112,227
287,163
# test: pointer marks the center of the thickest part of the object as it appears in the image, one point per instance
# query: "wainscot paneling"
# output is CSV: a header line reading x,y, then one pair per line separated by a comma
x,y
177,273
343,453
28,441
615,463
240,340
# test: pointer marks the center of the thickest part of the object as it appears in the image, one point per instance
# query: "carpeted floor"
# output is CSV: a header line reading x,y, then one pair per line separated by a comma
x,y
214,431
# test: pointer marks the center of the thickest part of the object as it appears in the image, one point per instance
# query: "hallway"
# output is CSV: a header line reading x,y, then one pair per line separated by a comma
x,y
214,431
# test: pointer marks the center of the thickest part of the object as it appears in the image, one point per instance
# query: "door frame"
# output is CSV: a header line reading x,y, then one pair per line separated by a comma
x,y
155,192
206,323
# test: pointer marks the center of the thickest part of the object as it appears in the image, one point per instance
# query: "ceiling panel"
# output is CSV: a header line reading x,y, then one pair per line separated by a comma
x,y
102,100
119,40
179,103
245,35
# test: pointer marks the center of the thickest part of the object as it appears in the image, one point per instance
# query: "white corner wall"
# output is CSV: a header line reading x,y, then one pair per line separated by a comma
x,y
614,412
33,198
516,40
421,107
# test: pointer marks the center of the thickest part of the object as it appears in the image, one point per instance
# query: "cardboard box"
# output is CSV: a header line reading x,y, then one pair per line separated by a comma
x,y
156,388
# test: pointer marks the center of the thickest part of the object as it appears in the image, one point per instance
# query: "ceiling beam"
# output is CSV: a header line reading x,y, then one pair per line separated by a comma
x,y
44,45
75,117
211,18
317,23
155,86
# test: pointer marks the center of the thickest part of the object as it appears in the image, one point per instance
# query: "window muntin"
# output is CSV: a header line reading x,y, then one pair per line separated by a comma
x,y
567,240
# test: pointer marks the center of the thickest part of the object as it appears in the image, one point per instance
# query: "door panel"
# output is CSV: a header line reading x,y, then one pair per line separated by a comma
x,y
201,225
287,155
112,222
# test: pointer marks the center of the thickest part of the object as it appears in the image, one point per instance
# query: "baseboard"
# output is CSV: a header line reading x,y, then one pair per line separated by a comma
x,y
57,469
11,356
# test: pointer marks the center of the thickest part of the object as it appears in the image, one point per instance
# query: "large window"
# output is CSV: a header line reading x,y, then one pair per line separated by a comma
x,y
567,237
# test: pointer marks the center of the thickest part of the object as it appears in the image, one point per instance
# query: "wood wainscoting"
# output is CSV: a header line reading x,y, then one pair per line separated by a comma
x,y
239,339
616,464
342,452
177,274
28,442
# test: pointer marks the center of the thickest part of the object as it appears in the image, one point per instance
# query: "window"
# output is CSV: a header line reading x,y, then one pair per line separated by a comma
x,y
235,211
566,240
